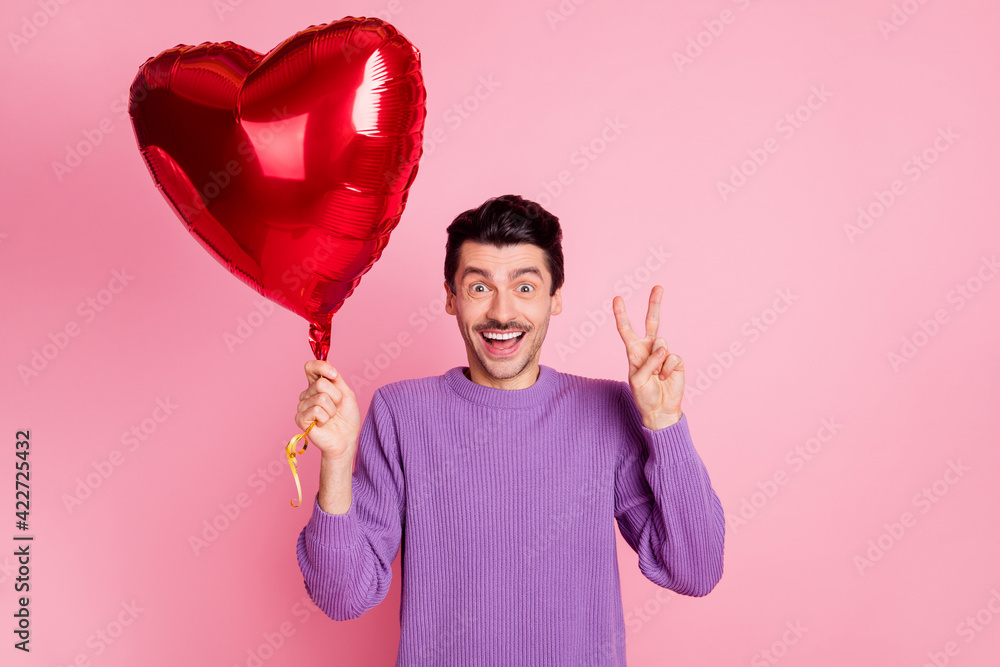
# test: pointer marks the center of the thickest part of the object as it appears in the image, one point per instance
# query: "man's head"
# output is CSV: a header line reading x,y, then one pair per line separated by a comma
x,y
503,273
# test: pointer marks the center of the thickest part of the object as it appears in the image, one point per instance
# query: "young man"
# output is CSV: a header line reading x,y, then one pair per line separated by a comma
x,y
502,480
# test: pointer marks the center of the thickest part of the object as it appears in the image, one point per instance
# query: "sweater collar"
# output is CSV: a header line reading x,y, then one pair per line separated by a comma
x,y
534,396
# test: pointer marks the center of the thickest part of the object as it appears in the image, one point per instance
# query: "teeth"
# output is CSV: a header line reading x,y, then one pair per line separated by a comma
x,y
501,336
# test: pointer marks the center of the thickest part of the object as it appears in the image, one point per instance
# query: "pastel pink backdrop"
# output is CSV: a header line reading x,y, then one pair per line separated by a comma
x,y
533,82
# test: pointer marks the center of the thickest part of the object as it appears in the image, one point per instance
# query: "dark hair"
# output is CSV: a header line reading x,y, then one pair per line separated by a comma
x,y
503,221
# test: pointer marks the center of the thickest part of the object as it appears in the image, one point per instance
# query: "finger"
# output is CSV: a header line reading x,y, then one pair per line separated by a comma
x,y
312,369
318,414
340,383
323,377
321,386
314,413
324,386
621,320
673,363
651,366
653,312
661,342
323,400
317,368
661,355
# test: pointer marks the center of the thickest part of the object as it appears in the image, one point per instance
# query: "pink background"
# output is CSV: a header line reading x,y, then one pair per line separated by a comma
x,y
799,526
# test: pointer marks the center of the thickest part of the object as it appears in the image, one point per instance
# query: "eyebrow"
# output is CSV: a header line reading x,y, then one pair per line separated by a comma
x,y
469,270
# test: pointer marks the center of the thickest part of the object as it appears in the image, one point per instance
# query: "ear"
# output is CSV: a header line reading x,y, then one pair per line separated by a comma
x,y
449,299
557,302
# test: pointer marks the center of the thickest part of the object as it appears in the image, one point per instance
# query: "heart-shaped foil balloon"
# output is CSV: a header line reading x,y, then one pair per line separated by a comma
x,y
290,168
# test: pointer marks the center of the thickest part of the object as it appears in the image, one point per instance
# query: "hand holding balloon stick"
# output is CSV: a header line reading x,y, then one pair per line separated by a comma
x,y
290,168
329,407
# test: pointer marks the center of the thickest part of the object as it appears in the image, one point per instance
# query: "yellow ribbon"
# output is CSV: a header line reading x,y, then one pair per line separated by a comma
x,y
290,453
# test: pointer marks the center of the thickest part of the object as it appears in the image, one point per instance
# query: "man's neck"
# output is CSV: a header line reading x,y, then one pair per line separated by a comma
x,y
538,370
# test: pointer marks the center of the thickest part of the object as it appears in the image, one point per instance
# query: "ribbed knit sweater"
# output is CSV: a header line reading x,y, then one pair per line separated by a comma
x,y
504,503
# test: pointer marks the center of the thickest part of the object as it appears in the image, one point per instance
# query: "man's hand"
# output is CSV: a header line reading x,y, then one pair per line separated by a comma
x,y
331,403
655,376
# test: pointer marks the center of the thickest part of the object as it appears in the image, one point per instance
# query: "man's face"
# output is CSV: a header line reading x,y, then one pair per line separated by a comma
x,y
503,290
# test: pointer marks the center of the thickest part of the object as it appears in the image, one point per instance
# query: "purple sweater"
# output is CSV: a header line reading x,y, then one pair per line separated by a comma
x,y
504,503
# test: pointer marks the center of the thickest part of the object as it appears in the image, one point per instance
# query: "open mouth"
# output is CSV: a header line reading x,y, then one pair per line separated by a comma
x,y
503,348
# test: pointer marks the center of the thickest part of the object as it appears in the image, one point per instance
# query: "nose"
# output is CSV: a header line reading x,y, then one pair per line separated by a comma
x,y
502,308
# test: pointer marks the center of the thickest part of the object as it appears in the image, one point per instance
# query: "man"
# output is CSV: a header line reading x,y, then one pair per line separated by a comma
x,y
502,480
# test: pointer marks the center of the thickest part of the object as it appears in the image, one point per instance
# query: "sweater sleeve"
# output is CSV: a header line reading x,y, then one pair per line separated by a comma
x,y
346,559
665,505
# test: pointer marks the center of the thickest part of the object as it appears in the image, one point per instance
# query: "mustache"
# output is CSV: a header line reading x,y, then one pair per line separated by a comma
x,y
497,327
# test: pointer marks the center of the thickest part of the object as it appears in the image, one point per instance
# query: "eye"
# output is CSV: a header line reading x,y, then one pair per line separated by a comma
x,y
472,287
531,288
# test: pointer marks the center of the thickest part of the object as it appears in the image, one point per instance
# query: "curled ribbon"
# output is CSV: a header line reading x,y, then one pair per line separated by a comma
x,y
290,453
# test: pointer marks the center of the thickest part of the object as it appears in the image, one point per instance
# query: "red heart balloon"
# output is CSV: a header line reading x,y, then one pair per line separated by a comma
x,y
290,168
